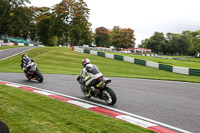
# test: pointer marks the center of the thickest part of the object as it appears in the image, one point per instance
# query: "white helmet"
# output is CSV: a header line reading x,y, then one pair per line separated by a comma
x,y
85,62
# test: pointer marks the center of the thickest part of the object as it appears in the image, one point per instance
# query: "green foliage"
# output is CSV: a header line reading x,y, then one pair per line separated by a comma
x,y
44,20
128,39
122,38
117,37
14,18
187,43
102,37
65,23
71,24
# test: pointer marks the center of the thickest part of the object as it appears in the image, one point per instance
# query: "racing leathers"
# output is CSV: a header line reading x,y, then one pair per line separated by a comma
x,y
91,74
24,62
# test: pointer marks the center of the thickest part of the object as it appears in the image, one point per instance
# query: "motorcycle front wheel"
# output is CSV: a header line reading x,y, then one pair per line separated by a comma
x,y
38,76
85,92
109,96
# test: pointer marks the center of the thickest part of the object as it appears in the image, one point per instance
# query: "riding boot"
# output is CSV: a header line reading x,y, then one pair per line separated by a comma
x,y
91,90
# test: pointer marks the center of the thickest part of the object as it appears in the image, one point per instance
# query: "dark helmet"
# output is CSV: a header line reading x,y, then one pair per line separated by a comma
x,y
85,62
23,55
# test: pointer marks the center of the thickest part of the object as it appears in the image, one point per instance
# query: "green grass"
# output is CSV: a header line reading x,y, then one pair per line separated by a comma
x,y
27,112
55,60
194,60
182,63
179,56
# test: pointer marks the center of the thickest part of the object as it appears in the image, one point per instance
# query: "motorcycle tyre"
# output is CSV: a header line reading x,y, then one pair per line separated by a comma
x,y
112,95
39,76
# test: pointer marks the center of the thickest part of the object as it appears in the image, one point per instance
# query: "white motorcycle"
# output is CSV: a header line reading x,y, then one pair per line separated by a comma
x,y
32,72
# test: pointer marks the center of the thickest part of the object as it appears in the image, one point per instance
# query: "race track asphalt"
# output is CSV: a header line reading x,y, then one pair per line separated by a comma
x,y
12,51
169,102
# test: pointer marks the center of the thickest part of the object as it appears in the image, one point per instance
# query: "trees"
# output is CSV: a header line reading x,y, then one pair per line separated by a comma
x,y
157,43
117,37
102,37
14,18
43,21
196,43
187,43
66,22
172,43
71,21
128,39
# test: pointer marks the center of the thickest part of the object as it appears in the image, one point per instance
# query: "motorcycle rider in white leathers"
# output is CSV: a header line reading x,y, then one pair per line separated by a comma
x,y
91,72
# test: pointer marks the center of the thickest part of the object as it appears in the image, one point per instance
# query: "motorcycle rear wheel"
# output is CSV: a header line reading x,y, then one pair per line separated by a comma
x,y
109,96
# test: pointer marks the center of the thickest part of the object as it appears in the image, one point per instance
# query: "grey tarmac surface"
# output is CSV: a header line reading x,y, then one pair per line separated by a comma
x,y
173,103
12,51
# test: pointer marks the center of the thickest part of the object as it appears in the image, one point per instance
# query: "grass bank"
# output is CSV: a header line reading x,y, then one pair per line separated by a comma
x,y
55,60
27,112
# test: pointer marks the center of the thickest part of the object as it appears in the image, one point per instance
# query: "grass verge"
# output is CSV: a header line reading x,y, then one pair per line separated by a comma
x,y
57,60
27,112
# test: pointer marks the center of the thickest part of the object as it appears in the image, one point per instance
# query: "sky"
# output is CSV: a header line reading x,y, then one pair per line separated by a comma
x,y
143,16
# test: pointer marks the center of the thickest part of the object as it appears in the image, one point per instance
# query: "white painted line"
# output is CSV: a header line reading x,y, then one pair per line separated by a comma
x,y
81,104
135,121
42,92
13,85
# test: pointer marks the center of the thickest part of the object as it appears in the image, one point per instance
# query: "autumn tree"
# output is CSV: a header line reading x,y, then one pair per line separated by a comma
x,y
116,37
72,15
102,37
128,39
122,38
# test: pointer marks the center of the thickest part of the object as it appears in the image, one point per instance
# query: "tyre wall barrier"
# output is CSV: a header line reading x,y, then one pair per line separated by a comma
x,y
169,68
102,54
140,62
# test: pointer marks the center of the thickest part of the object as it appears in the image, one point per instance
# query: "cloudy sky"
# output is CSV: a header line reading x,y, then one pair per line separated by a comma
x,y
143,16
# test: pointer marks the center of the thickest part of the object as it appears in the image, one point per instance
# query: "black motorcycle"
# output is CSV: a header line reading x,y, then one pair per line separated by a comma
x,y
32,72
101,90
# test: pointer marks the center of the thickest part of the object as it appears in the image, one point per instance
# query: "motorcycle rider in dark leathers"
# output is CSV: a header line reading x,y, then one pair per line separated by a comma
x,y
24,62
90,73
